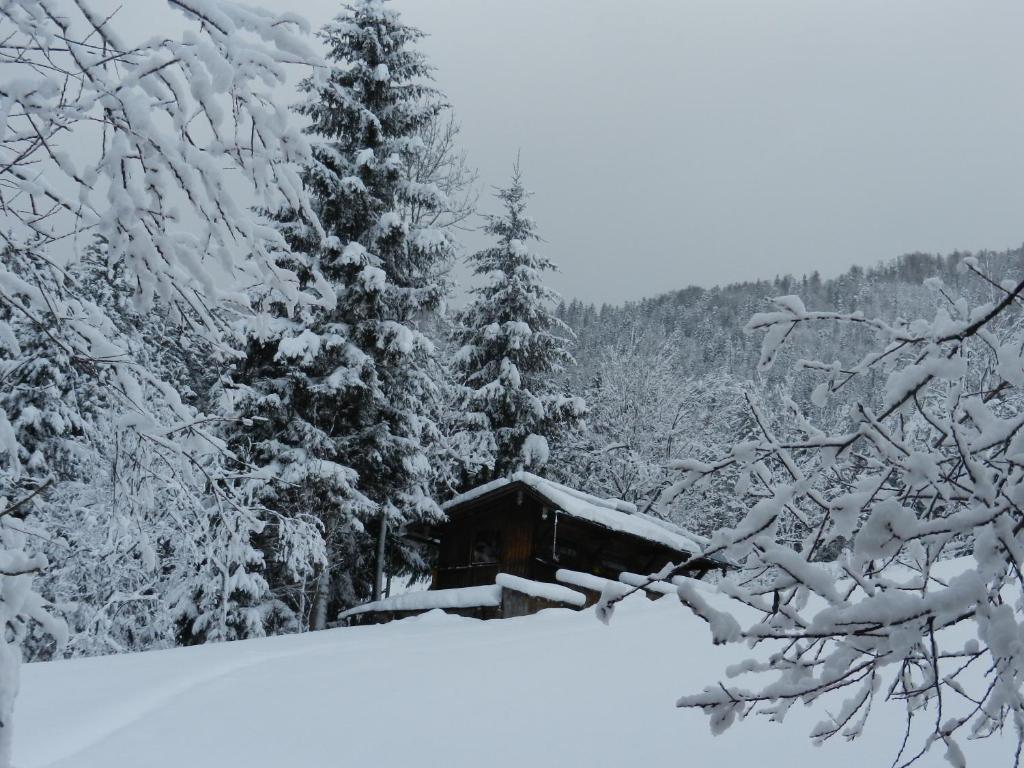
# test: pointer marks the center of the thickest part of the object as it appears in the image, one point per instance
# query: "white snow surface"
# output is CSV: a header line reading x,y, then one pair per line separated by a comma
x,y
554,689
542,589
462,597
615,514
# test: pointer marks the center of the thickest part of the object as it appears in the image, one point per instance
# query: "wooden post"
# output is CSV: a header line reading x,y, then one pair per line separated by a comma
x,y
378,579
323,596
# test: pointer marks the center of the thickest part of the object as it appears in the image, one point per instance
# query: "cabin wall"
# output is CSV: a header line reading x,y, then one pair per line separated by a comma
x,y
465,537
578,545
513,603
517,604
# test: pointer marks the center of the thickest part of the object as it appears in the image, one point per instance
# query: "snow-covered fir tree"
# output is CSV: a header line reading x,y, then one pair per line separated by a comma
x,y
512,349
345,399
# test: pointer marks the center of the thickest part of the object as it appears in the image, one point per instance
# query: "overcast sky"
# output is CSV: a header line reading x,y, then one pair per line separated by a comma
x,y
673,142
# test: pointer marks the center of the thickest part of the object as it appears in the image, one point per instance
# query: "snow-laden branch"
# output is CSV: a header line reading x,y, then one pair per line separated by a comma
x,y
907,580
157,150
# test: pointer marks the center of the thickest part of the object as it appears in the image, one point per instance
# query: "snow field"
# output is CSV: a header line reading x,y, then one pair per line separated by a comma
x,y
554,689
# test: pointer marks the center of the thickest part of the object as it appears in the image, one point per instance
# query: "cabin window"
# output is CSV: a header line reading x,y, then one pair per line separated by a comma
x,y
486,546
565,550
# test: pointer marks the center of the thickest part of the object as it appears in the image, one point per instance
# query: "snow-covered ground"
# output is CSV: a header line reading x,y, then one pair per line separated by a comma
x,y
555,689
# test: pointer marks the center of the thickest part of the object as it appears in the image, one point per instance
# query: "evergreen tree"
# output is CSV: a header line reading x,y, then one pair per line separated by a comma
x,y
512,347
347,396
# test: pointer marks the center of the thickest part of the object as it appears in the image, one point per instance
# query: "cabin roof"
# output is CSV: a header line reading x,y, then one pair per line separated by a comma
x,y
484,596
614,514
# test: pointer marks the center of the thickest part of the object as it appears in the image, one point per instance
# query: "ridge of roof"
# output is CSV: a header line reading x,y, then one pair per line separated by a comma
x,y
614,514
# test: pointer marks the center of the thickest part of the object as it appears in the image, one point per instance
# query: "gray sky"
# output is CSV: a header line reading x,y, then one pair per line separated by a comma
x,y
707,141
671,142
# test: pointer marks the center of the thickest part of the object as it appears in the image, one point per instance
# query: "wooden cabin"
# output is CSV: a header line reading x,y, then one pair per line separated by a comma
x,y
516,545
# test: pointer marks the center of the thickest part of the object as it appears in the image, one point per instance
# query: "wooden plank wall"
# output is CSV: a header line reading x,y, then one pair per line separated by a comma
x,y
513,517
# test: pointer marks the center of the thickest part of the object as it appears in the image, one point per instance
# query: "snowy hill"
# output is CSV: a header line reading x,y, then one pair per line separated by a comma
x,y
555,689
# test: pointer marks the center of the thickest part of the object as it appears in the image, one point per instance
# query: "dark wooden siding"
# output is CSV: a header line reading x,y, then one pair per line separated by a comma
x,y
518,545
512,516
583,546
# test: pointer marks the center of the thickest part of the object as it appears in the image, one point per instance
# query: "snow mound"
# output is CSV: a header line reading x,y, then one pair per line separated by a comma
x,y
463,597
486,596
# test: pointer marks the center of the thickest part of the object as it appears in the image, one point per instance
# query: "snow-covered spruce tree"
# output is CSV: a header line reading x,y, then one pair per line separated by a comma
x,y
925,498
346,397
511,349
152,127
141,538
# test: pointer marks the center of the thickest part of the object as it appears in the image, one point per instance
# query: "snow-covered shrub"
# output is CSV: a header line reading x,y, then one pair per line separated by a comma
x,y
643,413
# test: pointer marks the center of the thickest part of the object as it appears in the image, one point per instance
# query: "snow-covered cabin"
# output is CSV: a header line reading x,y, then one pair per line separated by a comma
x,y
519,544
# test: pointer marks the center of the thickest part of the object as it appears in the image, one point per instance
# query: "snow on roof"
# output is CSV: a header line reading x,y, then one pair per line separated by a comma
x,y
556,593
463,597
616,589
614,514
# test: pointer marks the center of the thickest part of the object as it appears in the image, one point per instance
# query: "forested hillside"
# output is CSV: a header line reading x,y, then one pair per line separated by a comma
x,y
704,327
669,376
